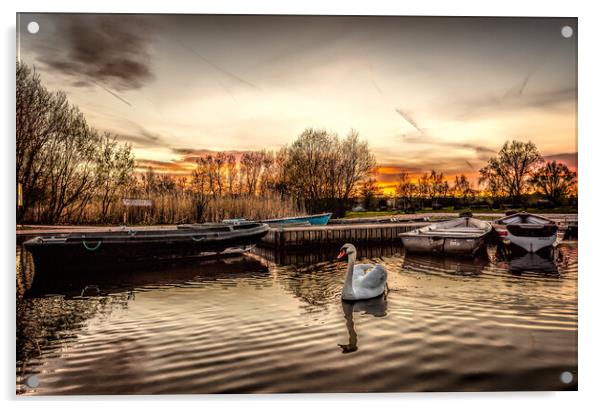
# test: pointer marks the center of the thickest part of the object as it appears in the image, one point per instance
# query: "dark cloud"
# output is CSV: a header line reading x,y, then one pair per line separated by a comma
x,y
389,173
191,155
481,152
171,168
111,50
516,98
142,137
183,165
570,159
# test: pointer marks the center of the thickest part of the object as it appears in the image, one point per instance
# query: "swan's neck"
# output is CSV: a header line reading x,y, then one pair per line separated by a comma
x,y
348,288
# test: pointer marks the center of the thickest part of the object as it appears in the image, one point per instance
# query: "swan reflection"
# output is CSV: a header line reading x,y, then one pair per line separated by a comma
x,y
377,307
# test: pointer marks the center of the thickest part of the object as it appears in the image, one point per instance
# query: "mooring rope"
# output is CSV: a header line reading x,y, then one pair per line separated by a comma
x,y
197,240
93,248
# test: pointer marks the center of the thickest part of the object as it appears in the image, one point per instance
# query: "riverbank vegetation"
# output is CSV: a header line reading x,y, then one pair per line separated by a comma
x,y
69,172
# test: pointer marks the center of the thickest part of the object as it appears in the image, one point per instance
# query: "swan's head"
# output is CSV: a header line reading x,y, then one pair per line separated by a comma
x,y
347,250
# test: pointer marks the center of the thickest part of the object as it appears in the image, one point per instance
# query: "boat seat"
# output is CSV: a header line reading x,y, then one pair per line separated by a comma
x,y
457,230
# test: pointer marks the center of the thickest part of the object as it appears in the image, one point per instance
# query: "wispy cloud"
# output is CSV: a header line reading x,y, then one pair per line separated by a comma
x,y
229,74
405,115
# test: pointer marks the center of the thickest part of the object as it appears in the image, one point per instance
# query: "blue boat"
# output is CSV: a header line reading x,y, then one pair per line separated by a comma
x,y
312,219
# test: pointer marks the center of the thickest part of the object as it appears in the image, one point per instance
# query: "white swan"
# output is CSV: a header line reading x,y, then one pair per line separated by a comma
x,y
363,281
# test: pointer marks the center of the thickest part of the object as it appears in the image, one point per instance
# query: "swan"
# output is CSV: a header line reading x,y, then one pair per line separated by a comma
x,y
363,281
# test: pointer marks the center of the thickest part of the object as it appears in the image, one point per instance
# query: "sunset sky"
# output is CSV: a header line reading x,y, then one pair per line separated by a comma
x,y
426,92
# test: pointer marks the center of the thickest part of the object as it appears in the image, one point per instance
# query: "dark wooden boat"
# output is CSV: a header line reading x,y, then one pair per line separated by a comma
x,y
463,236
80,250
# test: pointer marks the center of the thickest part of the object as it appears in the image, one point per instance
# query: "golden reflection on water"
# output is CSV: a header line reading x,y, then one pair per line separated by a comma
x,y
275,323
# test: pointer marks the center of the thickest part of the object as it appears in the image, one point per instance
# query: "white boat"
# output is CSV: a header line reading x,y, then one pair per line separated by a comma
x,y
528,231
463,236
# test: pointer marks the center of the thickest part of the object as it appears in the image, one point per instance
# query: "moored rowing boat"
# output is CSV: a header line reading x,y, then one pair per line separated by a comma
x,y
527,231
463,236
89,249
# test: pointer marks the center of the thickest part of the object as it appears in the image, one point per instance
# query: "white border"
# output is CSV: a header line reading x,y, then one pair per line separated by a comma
x,y
590,133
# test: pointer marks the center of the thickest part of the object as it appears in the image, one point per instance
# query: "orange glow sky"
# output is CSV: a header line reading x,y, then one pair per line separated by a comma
x,y
427,93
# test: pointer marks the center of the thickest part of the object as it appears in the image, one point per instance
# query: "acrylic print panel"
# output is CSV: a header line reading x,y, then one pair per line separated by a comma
x,y
270,204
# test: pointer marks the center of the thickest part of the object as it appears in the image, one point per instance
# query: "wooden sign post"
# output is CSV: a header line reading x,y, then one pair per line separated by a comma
x,y
129,203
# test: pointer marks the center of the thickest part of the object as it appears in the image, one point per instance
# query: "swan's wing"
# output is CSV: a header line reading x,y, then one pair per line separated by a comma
x,y
362,268
375,278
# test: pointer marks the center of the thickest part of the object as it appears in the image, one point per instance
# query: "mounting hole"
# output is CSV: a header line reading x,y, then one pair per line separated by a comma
x,y
566,377
567,31
32,381
33,27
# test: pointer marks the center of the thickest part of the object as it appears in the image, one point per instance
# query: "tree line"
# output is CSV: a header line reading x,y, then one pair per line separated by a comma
x,y
319,171
62,164
68,172
516,171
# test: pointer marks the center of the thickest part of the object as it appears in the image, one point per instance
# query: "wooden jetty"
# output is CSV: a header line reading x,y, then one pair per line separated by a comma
x,y
331,235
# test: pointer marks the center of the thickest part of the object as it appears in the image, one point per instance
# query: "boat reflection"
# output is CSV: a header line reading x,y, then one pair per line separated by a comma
x,y
325,253
376,307
461,266
536,263
123,278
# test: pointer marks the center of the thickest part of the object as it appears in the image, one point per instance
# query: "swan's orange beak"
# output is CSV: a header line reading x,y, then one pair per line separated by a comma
x,y
341,255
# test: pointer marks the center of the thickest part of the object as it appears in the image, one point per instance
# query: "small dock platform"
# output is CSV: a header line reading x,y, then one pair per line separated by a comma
x,y
330,235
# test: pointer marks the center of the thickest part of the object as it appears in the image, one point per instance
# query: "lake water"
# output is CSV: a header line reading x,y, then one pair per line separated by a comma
x,y
248,324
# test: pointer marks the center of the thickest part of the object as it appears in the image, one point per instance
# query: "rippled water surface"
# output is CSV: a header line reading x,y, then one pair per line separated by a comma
x,y
247,324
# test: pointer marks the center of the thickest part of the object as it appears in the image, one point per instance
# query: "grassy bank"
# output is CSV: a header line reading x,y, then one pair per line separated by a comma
x,y
355,215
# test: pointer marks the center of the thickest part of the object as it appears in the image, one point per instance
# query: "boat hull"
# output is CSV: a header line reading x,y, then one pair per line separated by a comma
x,y
90,251
314,219
528,232
444,245
464,236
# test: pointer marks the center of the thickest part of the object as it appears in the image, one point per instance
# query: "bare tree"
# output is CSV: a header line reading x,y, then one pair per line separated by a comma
x,y
69,175
321,168
251,164
508,173
405,189
355,163
554,181
369,191
113,171
231,166
462,188
40,117
437,186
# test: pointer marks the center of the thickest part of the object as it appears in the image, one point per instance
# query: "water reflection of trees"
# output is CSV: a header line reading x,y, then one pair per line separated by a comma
x,y
376,307
52,310
44,324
